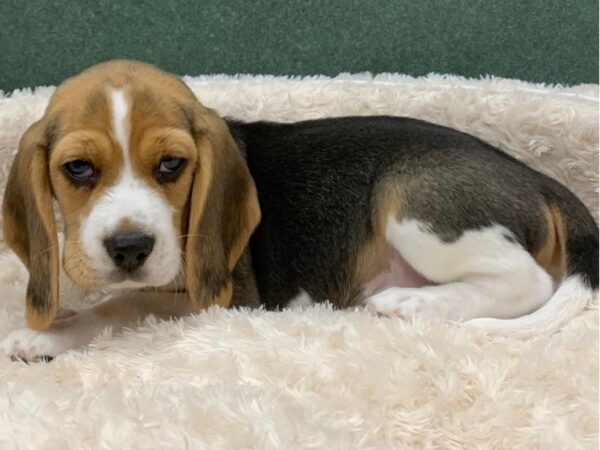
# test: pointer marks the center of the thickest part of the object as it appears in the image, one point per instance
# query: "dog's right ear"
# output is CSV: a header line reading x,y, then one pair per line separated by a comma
x,y
29,225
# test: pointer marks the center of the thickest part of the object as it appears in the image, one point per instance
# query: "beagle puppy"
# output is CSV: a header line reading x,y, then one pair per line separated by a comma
x,y
169,209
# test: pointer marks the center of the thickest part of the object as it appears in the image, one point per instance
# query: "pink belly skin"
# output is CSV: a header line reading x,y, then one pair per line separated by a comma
x,y
399,274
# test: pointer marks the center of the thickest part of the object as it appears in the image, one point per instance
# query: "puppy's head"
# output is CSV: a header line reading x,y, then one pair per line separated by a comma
x,y
147,180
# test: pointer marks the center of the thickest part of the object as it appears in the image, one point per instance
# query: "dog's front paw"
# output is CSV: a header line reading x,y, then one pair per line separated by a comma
x,y
33,346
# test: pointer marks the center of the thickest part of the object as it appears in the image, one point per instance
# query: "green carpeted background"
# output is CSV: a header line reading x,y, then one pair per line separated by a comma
x,y
555,41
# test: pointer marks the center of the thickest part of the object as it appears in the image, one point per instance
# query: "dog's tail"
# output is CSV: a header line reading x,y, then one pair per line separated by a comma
x,y
577,289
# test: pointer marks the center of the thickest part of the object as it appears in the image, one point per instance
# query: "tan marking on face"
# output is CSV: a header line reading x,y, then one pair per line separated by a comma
x,y
153,146
83,132
127,225
77,201
552,254
157,128
77,266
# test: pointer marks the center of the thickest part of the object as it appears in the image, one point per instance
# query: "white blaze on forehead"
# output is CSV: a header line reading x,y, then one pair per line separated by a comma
x,y
120,125
131,198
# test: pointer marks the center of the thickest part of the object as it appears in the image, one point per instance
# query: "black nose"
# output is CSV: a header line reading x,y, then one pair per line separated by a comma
x,y
129,250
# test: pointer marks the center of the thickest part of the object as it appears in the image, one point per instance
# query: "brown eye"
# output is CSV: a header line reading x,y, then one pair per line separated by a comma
x,y
169,169
80,171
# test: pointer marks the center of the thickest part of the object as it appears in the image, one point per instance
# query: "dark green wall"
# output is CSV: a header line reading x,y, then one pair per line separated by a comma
x,y
42,42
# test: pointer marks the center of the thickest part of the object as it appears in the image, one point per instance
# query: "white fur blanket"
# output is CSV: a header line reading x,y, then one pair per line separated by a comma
x,y
318,378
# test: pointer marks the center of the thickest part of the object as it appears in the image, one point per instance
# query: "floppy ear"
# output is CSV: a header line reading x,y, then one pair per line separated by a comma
x,y
29,226
224,211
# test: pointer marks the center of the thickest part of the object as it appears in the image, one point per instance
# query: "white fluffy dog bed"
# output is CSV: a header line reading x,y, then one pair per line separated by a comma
x,y
318,378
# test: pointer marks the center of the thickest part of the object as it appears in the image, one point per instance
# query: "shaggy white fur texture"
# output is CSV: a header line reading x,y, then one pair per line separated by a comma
x,y
314,377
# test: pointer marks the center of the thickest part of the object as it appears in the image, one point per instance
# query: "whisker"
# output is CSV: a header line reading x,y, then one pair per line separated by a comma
x,y
193,235
78,255
41,252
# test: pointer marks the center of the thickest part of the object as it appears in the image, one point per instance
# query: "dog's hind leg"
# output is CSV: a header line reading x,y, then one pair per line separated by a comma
x,y
482,273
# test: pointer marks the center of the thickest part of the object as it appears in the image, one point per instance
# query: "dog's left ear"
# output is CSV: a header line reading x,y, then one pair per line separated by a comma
x,y
224,211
